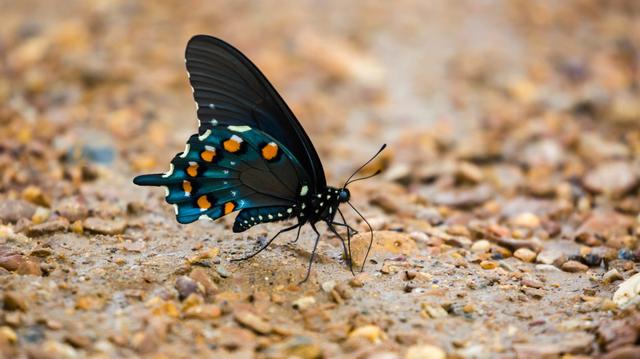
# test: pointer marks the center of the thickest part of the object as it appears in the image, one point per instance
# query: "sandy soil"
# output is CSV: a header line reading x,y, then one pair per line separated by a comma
x,y
505,219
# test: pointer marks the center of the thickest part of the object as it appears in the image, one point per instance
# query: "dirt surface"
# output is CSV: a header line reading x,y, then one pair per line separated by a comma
x,y
505,219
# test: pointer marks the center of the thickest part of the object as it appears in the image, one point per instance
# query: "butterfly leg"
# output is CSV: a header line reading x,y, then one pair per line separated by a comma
x,y
352,230
268,243
349,228
297,235
313,253
347,255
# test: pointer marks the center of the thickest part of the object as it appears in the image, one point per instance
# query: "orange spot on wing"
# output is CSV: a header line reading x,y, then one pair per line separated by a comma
x,y
186,186
203,202
207,155
192,170
269,151
232,144
229,207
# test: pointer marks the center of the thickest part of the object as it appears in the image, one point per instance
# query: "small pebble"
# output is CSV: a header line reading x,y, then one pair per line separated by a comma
x,y
425,351
627,290
203,311
104,226
488,265
187,286
626,254
223,271
328,286
531,282
41,215
525,255
371,332
13,210
58,225
73,209
434,311
547,268
7,334
612,276
608,305
526,220
201,276
574,267
36,196
14,301
252,321
481,246
303,303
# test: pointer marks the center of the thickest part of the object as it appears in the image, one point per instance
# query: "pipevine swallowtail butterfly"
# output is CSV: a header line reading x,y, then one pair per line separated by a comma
x,y
250,153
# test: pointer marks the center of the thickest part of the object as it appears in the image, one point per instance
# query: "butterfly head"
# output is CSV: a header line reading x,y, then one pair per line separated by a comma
x,y
344,195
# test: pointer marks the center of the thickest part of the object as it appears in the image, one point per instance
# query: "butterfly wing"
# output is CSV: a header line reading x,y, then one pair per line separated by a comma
x,y
230,168
230,90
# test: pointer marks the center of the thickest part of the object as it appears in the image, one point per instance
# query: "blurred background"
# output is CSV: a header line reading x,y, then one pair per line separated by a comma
x,y
513,159
106,79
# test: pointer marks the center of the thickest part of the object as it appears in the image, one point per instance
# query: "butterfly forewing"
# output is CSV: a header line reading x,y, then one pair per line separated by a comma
x,y
230,90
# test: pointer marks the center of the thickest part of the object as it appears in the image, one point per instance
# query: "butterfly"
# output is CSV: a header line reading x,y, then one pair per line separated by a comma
x,y
250,155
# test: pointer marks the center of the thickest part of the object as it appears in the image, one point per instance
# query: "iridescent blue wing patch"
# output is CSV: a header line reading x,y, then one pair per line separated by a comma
x,y
231,168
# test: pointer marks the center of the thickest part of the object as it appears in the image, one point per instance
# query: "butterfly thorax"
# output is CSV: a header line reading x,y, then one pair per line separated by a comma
x,y
322,205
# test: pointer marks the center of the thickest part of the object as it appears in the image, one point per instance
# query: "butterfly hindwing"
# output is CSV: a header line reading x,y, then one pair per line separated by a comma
x,y
230,168
230,90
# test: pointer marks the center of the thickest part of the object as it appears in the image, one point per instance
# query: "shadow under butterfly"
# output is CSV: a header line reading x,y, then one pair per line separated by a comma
x,y
250,154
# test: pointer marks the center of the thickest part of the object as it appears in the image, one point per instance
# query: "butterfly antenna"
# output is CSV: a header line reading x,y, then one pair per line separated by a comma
x,y
370,230
363,178
366,163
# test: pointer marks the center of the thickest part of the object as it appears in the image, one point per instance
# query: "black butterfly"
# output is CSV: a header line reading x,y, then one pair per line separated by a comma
x,y
250,154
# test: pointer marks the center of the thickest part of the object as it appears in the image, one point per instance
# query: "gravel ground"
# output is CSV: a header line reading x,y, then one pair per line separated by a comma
x,y
506,218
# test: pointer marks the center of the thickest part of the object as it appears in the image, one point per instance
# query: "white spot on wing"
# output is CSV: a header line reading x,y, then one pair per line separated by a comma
x,y
289,210
175,208
169,172
205,135
212,106
166,191
213,122
304,190
186,151
237,138
270,216
204,216
239,128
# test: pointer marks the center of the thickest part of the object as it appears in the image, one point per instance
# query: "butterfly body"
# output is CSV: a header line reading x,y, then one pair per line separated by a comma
x,y
250,153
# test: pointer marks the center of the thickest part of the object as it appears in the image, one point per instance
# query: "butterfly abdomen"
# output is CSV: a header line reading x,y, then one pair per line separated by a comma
x,y
248,218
